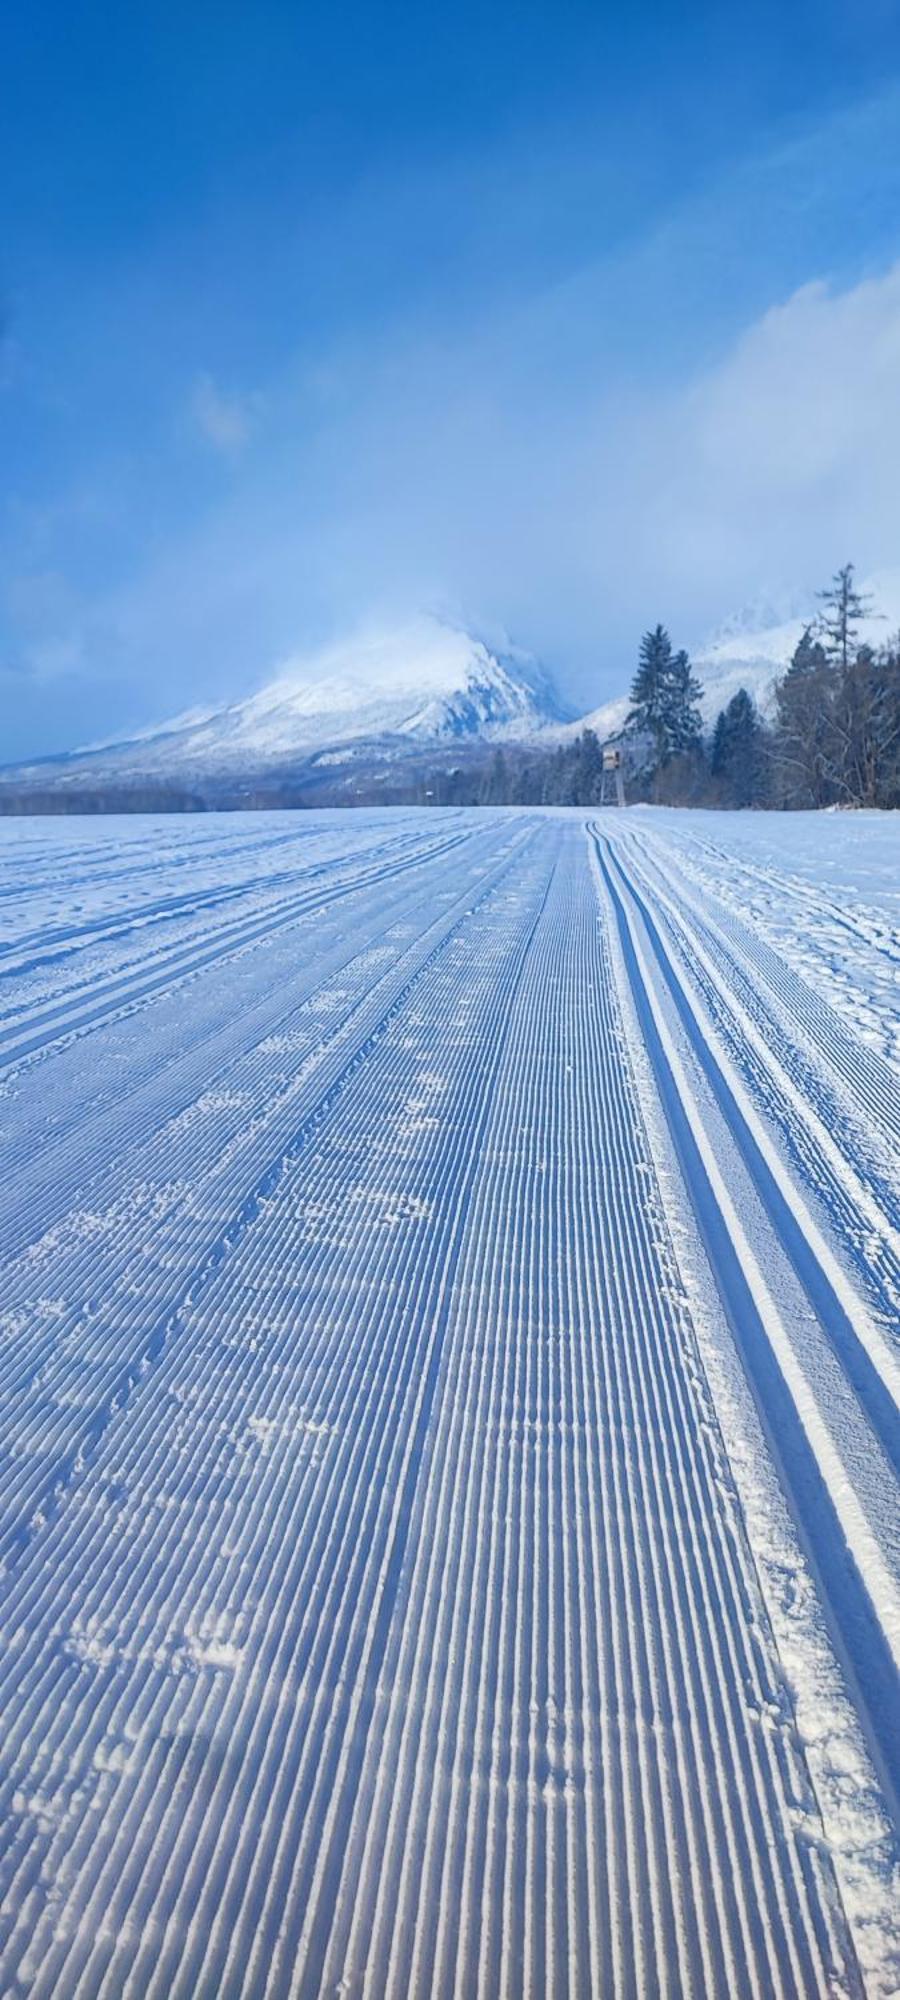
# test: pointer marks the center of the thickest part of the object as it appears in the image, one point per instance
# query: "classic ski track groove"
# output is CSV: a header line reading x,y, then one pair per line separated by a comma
x,y
872,1083
70,1015
168,1078
862,1597
152,1319
378,1615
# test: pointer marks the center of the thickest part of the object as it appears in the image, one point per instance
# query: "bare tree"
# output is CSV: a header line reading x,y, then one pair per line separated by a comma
x,y
845,609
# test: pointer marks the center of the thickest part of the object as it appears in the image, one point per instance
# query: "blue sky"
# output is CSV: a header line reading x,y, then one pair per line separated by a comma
x,y
560,319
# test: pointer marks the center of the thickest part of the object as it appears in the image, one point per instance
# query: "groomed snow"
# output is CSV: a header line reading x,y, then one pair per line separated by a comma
x,y
449,1514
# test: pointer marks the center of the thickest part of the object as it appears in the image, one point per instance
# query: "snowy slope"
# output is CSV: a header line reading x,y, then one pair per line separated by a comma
x,y
739,655
398,689
752,650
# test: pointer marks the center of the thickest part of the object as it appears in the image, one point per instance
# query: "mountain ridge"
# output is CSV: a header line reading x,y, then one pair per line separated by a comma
x,y
395,690
397,693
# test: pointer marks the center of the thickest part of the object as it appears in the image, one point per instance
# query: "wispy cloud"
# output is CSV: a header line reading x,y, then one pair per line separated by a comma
x,y
781,460
470,476
664,425
225,420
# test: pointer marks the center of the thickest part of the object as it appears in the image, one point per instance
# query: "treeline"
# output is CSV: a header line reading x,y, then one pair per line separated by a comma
x,y
18,800
832,737
835,738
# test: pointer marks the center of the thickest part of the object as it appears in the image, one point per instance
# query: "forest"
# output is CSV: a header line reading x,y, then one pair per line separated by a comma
x,y
831,737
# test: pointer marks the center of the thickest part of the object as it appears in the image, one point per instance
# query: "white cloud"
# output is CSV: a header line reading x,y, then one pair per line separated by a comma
x,y
781,462
574,506
225,421
810,394
574,519
580,512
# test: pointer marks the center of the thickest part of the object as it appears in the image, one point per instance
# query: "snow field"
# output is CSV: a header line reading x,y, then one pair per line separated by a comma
x,y
397,1208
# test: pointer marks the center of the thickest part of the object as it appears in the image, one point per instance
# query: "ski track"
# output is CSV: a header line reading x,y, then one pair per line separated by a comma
x,y
387,1197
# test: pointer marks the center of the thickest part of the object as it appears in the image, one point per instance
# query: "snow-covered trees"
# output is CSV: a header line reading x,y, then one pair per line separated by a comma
x,y
833,739
649,689
665,699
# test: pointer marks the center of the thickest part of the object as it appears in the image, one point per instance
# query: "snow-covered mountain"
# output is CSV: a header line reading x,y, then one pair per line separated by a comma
x,y
389,691
753,648
419,691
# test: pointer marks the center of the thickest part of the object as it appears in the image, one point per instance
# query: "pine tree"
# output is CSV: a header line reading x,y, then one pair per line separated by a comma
x,y
588,773
809,654
719,753
840,621
804,746
665,697
682,711
737,762
650,690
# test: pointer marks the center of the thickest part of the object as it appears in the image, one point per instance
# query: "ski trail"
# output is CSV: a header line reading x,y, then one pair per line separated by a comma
x,y
824,1423
379,1610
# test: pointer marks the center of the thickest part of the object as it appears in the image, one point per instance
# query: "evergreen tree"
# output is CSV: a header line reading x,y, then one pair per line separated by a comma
x,y
737,762
588,771
650,690
804,745
682,712
719,754
809,655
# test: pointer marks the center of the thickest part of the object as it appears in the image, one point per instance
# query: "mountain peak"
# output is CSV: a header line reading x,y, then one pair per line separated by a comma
x,y
389,688
769,611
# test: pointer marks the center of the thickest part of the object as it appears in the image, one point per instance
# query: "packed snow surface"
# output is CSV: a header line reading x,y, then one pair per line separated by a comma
x,y
450,1525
